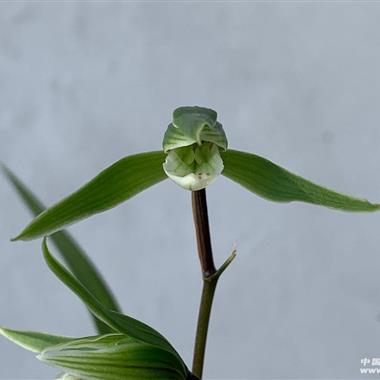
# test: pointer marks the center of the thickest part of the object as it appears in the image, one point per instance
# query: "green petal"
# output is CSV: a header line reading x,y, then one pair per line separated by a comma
x,y
33,341
114,356
73,255
194,167
121,181
272,182
193,125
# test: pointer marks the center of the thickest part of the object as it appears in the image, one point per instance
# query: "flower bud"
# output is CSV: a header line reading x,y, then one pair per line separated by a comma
x,y
192,143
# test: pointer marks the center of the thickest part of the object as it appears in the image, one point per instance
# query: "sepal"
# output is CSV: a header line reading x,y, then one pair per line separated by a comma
x,y
275,183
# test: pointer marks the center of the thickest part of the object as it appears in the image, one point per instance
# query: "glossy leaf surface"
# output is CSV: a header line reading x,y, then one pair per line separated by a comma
x,y
114,185
73,255
272,182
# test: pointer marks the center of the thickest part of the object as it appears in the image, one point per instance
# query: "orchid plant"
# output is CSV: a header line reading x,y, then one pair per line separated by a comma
x,y
195,153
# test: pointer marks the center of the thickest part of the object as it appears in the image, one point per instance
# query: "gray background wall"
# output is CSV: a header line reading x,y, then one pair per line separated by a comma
x,y
82,86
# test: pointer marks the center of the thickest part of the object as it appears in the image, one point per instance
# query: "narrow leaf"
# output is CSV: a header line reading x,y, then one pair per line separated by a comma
x,y
114,356
67,376
114,185
33,341
73,255
117,321
272,182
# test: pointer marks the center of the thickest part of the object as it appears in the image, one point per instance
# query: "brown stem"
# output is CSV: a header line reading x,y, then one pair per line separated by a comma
x,y
202,230
210,278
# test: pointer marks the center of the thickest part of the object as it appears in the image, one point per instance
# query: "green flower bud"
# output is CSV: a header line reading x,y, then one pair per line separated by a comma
x,y
192,143
194,167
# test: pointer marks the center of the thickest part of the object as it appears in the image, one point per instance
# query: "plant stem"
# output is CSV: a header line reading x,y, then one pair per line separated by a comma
x,y
202,230
202,327
210,277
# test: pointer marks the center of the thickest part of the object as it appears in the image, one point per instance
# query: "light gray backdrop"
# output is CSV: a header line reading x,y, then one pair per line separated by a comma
x,y
82,86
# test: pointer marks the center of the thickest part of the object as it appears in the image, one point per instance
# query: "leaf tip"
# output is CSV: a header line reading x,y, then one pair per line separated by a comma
x,y
4,168
25,235
20,236
374,207
6,333
8,173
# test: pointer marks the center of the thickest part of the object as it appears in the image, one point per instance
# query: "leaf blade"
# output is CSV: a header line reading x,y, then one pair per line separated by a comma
x,y
102,356
33,341
272,182
73,255
114,185
117,321
114,356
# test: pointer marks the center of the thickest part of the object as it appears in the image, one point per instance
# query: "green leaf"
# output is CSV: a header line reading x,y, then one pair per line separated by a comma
x,y
67,376
272,182
117,321
193,125
33,341
114,357
114,185
109,356
73,255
